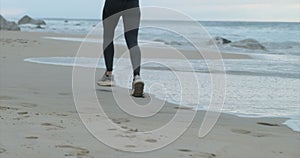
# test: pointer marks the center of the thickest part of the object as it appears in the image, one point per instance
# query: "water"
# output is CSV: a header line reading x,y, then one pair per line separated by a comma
x,y
267,85
250,90
279,38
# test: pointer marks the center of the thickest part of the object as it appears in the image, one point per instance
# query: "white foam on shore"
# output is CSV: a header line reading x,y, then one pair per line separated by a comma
x,y
100,41
293,123
248,94
73,39
276,57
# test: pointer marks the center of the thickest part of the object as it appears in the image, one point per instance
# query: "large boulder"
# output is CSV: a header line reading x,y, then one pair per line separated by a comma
x,y
8,25
28,20
248,44
219,40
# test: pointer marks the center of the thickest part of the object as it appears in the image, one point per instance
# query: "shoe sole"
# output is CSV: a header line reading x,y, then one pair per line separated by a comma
x,y
138,89
105,83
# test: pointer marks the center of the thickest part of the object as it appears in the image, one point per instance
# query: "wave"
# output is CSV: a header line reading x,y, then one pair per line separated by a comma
x,y
245,67
283,45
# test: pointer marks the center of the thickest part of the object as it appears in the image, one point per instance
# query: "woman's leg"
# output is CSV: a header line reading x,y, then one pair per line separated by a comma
x,y
110,19
131,20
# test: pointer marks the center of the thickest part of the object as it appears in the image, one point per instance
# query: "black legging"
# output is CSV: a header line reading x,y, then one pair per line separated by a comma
x,y
130,12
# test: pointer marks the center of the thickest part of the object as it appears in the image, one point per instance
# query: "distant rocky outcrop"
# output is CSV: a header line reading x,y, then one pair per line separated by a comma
x,y
8,25
219,40
28,20
248,44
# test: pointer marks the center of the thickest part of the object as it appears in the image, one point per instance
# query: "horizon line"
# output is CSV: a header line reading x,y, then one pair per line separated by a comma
x,y
204,20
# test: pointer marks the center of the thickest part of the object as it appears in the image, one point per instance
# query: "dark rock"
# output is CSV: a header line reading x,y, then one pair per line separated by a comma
x,y
248,44
172,43
8,25
219,40
28,20
159,40
39,27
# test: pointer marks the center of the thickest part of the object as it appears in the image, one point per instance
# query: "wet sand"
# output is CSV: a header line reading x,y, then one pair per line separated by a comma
x,y
38,117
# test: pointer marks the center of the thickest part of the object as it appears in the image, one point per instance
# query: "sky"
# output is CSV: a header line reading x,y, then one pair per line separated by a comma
x,y
212,10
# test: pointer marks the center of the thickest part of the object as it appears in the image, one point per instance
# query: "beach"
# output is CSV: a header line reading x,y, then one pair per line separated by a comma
x,y
39,118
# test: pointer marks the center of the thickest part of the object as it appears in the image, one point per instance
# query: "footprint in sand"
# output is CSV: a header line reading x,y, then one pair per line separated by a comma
x,y
32,137
182,108
197,155
126,136
104,90
127,130
7,108
52,126
62,115
124,127
261,135
22,113
184,150
58,114
112,129
133,130
240,131
28,105
73,150
120,120
7,98
130,146
204,155
246,132
151,140
2,150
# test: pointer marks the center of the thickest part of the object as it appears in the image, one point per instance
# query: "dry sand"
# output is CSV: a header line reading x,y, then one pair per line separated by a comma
x,y
38,116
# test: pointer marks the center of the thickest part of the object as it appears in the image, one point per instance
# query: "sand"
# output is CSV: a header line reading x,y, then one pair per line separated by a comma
x,y
38,117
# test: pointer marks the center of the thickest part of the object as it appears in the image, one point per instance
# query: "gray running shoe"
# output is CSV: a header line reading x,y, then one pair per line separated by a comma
x,y
106,80
137,87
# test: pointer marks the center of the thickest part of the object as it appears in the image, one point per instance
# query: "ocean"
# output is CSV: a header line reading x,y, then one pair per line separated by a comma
x,y
266,86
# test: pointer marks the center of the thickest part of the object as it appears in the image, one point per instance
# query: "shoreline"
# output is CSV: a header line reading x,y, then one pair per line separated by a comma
x,y
37,100
120,48
292,125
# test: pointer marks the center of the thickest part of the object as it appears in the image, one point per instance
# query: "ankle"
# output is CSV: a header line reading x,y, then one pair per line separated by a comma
x,y
136,77
108,73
